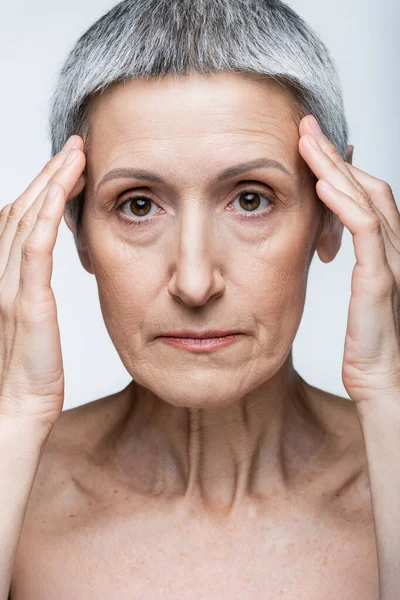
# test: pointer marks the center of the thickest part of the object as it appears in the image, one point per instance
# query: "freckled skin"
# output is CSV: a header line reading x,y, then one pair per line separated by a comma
x,y
225,425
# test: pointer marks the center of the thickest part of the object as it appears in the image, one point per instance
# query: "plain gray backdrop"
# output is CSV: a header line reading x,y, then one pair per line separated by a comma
x,y
35,37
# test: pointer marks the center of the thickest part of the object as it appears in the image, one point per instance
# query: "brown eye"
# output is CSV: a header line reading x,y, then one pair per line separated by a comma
x,y
250,201
139,206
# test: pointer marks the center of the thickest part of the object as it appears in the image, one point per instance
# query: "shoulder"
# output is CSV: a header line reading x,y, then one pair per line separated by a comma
x,y
67,467
58,498
72,443
347,482
338,414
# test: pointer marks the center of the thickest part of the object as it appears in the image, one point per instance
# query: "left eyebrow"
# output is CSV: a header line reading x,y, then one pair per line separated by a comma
x,y
259,163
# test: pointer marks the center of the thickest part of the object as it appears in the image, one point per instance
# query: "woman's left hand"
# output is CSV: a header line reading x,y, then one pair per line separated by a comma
x,y
366,207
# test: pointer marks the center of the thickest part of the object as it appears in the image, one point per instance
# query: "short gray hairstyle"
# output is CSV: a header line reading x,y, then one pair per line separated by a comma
x,y
155,38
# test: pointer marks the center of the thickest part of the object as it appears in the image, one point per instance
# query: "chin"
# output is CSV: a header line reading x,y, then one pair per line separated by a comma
x,y
201,389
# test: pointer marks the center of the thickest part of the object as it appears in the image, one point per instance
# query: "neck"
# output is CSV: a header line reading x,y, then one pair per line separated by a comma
x,y
216,458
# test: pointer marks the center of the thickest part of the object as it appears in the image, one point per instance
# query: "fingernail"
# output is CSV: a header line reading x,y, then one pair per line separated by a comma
x,y
70,158
314,142
315,127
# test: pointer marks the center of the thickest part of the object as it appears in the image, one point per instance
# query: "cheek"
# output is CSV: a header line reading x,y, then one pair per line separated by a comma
x,y
126,299
273,289
127,287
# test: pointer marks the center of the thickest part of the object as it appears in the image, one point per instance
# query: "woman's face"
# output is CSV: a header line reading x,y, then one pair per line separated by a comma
x,y
190,248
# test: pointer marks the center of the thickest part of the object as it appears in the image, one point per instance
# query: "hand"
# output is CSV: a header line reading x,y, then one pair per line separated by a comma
x,y
31,369
366,206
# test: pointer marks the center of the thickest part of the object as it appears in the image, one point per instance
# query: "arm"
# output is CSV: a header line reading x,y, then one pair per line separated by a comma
x,y
31,367
381,430
21,448
371,359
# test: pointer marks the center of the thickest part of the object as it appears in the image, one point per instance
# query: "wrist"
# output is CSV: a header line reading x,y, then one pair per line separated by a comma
x,y
380,419
27,433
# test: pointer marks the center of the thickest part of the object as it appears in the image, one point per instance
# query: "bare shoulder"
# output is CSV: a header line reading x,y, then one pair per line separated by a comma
x,y
71,448
64,482
339,414
347,484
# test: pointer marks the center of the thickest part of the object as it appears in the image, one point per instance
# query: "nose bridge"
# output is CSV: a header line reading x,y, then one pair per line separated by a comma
x,y
197,256
196,231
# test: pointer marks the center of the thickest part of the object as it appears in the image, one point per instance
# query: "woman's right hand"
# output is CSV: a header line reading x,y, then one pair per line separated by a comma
x,y
31,367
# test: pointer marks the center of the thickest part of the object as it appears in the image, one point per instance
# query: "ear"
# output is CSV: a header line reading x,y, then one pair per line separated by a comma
x,y
329,240
83,253
349,154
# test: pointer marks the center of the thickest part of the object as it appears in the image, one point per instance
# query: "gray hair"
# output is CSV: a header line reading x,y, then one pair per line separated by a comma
x,y
155,38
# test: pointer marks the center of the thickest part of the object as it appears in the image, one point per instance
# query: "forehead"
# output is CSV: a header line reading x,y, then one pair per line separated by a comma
x,y
197,114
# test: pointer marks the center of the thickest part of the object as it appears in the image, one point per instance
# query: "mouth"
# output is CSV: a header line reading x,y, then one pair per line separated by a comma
x,y
201,344
210,334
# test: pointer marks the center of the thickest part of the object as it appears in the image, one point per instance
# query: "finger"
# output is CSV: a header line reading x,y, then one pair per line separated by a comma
x,y
382,196
66,177
78,188
19,206
379,191
393,255
37,252
325,168
4,216
50,168
365,226
310,126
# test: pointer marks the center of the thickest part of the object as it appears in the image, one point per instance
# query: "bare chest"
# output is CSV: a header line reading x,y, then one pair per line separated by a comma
x,y
153,556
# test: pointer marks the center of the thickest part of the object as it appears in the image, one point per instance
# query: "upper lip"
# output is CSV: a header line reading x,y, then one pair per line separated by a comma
x,y
198,334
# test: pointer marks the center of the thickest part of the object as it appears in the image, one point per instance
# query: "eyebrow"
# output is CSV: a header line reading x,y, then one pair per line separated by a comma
x,y
260,163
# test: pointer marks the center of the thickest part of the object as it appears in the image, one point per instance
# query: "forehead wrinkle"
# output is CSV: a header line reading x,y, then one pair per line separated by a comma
x,y
207,119
144,143
274,137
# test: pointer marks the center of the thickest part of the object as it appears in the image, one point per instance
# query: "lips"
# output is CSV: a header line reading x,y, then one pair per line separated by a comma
x,y
213,333
202,344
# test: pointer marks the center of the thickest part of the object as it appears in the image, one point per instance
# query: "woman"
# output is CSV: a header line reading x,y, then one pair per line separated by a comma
x,y
195,193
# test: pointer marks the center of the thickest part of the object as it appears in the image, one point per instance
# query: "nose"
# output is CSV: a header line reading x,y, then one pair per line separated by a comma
x,y
197,273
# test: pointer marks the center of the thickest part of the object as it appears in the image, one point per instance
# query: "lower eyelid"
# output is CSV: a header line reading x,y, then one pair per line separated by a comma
x,y
244,214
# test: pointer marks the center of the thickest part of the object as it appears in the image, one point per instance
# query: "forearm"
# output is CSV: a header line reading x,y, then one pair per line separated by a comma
x,y
21,448
380,425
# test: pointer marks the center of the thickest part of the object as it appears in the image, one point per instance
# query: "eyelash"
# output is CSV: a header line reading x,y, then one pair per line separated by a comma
x,y
128,221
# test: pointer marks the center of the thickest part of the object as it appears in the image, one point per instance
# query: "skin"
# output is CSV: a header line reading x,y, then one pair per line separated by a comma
x,y
201,454
230,423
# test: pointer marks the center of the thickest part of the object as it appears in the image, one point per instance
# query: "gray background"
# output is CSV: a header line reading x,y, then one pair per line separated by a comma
x,y
35,38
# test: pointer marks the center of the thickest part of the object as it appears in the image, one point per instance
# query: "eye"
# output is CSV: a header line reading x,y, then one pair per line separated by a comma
x,y
140,206
248,199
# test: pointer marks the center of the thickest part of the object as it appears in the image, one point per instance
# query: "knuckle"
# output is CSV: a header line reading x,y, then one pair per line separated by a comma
x,y
371,224
5,210
14,212
364,200
384,188
333,153
45,216
49,168
30,248
26,223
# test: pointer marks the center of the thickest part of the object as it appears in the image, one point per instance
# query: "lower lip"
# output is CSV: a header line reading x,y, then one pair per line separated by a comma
x,y
201,344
